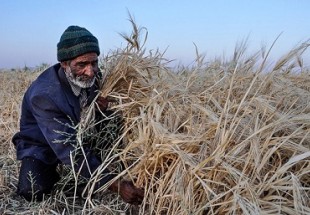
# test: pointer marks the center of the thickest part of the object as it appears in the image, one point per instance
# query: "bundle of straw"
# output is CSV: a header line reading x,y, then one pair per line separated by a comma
x,y
221,138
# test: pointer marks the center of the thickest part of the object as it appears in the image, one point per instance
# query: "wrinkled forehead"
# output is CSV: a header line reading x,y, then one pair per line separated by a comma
x,y
88,57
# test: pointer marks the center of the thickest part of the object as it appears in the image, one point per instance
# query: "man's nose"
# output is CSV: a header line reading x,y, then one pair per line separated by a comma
x,y
89,71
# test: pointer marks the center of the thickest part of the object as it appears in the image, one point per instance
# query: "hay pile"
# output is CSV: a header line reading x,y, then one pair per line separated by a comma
x,y
218,138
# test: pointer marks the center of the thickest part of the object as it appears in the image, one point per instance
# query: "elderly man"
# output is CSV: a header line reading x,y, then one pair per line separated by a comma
x,y
51,109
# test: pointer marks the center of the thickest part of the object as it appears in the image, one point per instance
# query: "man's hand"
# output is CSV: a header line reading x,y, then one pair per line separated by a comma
x,y
128,191
103,103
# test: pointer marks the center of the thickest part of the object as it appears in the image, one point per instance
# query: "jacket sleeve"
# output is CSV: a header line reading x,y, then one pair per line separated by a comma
x,y
60,133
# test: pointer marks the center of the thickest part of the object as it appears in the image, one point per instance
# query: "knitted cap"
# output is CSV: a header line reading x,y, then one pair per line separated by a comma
x,y
76,41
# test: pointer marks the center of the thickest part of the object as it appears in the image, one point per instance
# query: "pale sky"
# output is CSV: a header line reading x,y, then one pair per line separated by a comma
x,y
31,29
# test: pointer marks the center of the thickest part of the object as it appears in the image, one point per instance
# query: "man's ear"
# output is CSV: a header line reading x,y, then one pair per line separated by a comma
x,y
64,64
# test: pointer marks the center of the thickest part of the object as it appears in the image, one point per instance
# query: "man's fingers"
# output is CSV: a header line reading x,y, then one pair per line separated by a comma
x,y
130,193
106,99
103,103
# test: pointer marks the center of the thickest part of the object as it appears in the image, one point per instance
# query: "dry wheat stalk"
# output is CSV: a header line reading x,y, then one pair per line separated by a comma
x,y
214,142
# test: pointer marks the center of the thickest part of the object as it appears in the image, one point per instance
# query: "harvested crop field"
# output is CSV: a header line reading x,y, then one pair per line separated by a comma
x,y
220,137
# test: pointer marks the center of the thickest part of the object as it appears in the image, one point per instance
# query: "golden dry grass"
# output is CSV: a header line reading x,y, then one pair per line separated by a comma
x,y
215,138
13,85
221,138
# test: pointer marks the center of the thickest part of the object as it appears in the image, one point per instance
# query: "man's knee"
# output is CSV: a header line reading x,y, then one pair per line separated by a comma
x,y
36,179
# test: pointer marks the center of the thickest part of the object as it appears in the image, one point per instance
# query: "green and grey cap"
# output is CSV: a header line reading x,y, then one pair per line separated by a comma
x,y
76,41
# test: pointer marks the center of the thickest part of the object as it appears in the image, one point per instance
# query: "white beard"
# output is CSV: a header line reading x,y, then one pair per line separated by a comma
x,y
77,80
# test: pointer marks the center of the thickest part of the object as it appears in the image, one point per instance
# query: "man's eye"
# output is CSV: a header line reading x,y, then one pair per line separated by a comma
x,y
81,65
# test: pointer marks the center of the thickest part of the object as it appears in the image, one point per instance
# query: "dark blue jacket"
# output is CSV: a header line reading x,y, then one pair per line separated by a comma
x,y
50,113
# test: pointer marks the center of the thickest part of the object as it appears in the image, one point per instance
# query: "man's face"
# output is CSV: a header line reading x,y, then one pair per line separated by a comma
x,y
82,70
